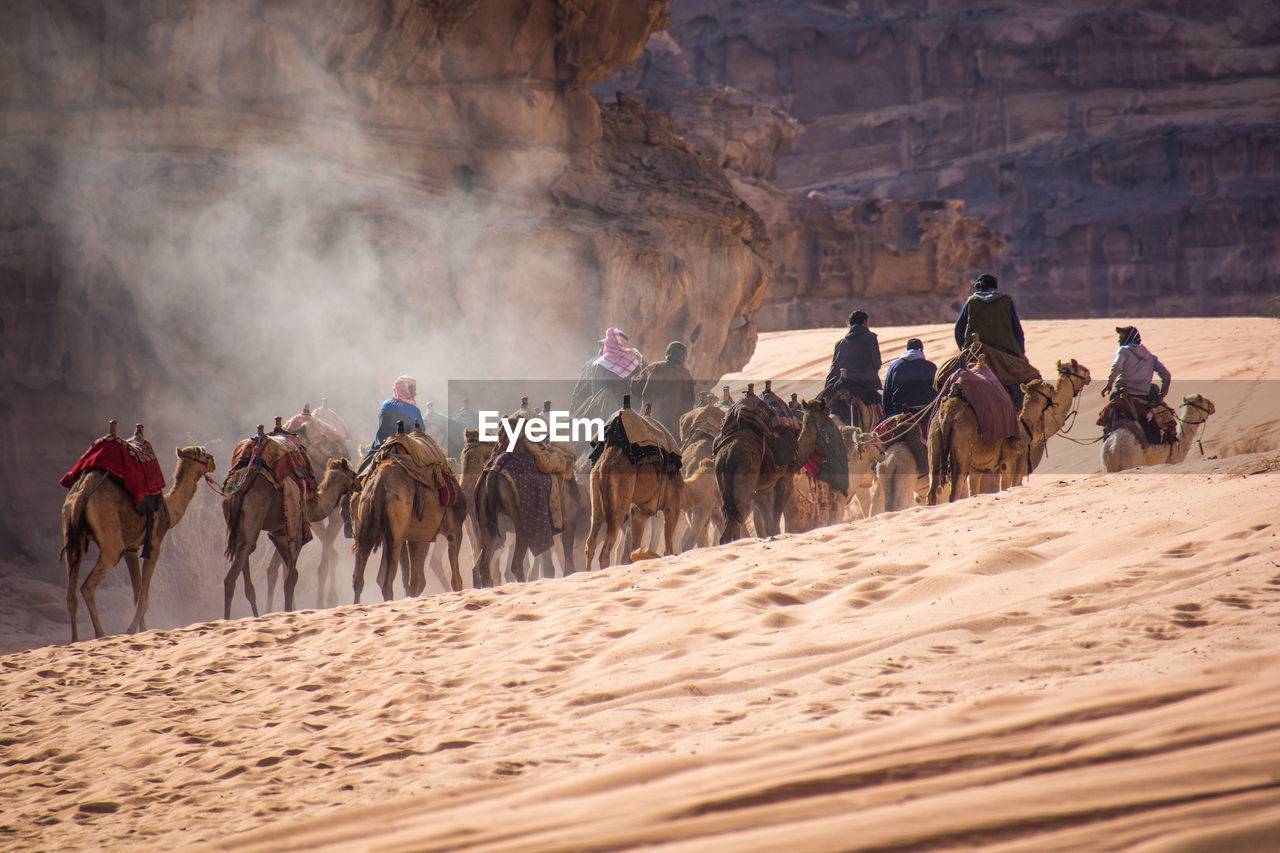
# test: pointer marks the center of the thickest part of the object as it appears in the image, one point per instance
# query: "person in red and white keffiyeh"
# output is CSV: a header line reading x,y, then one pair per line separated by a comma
x,y
616,355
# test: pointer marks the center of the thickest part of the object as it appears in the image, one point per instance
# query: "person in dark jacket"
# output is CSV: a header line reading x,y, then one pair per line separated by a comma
x,y
858,354
991,316
908,386
669,386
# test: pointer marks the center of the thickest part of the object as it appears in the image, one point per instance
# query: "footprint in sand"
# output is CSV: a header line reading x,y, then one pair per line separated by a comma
x,y
1239,602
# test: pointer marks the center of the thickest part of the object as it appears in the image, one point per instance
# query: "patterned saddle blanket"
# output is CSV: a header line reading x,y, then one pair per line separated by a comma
x,y
132,462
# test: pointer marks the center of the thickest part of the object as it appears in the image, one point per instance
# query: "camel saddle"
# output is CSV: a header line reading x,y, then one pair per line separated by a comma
x,y
281,458
422,458
1151,423
132,463
704,420
643,440
979,387
899,428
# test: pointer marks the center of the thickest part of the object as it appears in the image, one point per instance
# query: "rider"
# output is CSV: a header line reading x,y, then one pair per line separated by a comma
x,y
401,406
1134,367
1131,375
991,315
610,371
669,386
908,385
858,353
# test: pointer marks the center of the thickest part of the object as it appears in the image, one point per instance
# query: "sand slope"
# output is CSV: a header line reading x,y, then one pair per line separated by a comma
x,y
1079,664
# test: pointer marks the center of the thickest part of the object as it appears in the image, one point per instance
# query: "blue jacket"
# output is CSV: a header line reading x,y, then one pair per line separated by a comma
x,y
909,383
393,410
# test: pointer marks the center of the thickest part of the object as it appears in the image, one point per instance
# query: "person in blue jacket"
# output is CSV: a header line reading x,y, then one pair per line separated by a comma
x,y
401,406
908,386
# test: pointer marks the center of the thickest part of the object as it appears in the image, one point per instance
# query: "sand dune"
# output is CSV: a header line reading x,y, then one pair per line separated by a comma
x,y
1084,663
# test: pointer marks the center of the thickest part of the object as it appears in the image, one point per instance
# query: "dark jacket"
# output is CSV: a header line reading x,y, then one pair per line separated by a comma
x,y
992,316
858,352
670,388
908,385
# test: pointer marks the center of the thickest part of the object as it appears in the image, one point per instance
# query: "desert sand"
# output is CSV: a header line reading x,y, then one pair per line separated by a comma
x,y
1087,662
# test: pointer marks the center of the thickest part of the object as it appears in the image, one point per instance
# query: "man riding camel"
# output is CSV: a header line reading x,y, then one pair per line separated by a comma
x,y
908,385
857,354
669,386
400,406
1135,397
990,316
607,377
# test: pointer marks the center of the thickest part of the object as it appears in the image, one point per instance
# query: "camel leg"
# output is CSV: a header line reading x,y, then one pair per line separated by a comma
x,y
455,571
326,533
106,559
357,576
391,556
273,574
670,517
142,593
481,575
416,577
74,556
135,574
612,527
567,537
290,559
638,522
516,569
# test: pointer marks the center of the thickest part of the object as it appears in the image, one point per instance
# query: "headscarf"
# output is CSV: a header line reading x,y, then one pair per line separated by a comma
x,y
676,352
403,389
1128,335
614,355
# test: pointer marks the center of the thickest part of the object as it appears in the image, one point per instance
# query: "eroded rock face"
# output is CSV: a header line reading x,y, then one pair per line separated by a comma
x,y
904,261
1128,154
214,211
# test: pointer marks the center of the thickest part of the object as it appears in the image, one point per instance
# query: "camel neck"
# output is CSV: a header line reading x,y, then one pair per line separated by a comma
x,y
178,498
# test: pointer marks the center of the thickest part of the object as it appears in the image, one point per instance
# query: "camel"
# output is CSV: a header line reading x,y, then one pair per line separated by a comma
x,y
863,450
325,532
496,497
98,508
384,516
257,505
899,482
1122,449
1072,377
619,486
745,469
958,453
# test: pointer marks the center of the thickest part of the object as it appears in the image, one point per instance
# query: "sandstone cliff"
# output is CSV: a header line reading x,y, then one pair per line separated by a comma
x,y
1128,155
903,261
215,211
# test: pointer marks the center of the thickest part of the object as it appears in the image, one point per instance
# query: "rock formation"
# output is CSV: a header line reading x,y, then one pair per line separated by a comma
x,y
1129,155
907,262
212,211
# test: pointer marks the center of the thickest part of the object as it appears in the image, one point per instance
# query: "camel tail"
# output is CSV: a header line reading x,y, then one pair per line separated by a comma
x,y
487,504
75,530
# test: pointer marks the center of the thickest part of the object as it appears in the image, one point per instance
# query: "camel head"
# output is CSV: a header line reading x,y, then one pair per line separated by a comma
x,y
198,455
1038,397
1077,374
1196,409
472,436
342,469
817,407
857,442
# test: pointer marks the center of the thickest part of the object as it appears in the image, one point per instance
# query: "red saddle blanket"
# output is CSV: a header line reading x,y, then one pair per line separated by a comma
x,y
1156,421
281,455
133,462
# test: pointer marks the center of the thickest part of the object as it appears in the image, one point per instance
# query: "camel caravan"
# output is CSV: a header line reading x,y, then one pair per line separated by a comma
x,y
712,468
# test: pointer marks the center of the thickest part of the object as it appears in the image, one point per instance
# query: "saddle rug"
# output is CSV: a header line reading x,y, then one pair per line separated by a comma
x,y
533,494
132,462
282,460
997,419
704,420
1151,423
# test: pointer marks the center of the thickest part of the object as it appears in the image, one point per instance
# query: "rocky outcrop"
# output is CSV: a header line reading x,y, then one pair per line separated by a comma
x,y
904,261
212,212
1127,154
